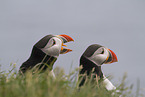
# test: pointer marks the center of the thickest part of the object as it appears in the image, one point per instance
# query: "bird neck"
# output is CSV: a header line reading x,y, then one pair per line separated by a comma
x,y
39,58
89,70
89,67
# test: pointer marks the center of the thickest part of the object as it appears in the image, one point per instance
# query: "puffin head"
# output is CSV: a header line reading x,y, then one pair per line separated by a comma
x,y
92,59
52,45
45,52
100,55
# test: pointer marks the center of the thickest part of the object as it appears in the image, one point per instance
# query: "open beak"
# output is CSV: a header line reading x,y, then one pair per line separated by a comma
x,y
65,39
111,58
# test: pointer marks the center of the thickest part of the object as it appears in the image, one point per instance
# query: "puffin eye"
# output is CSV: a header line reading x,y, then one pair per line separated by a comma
x,y
102,51
54,42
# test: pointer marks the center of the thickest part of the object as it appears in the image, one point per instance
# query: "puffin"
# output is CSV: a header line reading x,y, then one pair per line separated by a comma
x,y
90,65
45,52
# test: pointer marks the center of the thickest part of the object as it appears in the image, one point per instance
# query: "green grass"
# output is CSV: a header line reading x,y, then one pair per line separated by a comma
x,y
44,85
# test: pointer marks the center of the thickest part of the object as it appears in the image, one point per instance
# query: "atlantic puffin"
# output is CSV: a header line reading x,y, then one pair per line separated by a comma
x,y
45,52
91,61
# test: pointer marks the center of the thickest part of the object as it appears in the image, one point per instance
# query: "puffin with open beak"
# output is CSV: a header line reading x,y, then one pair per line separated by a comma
x,y
46,51
91,62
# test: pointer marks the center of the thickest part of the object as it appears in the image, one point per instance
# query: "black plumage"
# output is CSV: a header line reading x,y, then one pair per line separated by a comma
x,y
89,70
38,57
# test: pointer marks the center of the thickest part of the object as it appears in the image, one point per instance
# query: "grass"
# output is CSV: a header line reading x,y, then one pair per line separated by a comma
x,y
44,85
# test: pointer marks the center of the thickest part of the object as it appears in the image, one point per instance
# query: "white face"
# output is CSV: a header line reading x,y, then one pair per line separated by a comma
x,y
100,56
53,47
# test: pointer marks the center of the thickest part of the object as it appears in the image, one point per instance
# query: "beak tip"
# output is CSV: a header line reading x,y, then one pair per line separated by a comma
x,y
67,50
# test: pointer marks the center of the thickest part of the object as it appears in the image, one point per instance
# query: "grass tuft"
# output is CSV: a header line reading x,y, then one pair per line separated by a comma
x,y
43,85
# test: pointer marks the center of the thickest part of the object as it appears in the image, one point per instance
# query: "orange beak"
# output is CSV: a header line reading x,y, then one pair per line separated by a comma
x,y
65,39
111,58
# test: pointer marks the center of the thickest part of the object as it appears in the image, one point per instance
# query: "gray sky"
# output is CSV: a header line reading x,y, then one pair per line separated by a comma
x,y
116,24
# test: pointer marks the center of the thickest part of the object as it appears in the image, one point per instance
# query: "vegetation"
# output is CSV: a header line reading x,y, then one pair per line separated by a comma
x,y
44,85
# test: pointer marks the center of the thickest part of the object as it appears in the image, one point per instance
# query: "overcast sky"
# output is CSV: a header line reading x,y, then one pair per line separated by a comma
x,y
116,24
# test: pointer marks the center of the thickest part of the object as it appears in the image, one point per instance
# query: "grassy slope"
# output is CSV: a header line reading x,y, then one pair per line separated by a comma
x,y
43,85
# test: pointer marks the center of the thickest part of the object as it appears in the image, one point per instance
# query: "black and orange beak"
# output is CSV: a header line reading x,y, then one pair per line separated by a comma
x,y
111,58
65,39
